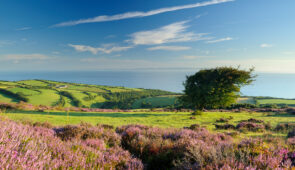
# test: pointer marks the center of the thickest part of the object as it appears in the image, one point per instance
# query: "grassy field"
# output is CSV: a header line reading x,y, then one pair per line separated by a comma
x,y
160,119
45,92
276,101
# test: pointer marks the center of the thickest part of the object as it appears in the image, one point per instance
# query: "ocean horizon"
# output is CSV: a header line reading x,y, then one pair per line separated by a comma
x,y
266,84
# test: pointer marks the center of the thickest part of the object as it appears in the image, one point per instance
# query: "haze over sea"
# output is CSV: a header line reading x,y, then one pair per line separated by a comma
x,y
266,84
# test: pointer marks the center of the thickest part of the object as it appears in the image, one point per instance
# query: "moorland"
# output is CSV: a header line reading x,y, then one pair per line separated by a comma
x,y
47,124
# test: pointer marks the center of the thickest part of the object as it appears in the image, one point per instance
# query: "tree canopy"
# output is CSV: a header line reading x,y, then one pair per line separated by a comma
x,y
215,88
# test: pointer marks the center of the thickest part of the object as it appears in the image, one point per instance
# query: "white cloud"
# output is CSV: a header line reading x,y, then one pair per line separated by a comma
x,y
175,32
169,48
261,65
200,15
219,40
107,49
266,45
16,58
139,14
23,28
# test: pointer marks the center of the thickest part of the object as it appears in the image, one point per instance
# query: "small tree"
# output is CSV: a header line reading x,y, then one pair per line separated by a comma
x,y
215,88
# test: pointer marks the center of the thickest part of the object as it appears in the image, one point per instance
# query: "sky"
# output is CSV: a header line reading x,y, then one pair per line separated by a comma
x,y
54,35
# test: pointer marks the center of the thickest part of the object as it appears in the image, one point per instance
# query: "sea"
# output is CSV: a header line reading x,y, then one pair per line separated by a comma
x,y
266,84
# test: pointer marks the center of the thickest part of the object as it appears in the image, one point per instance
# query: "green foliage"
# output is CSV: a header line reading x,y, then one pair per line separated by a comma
x,y
157,102
146,104
125,100
215,88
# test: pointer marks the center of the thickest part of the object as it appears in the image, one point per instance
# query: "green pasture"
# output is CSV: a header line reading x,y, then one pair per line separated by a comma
x,y
27,92
33,82
46,97
276,101
159,119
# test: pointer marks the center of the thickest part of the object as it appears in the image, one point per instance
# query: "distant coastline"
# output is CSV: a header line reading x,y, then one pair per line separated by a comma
x,y
282,87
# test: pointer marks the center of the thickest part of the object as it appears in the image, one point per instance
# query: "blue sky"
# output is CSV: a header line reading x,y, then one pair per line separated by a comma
x,y
141,34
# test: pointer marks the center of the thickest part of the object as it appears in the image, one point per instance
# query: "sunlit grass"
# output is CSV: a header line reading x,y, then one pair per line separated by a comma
x,y
159,119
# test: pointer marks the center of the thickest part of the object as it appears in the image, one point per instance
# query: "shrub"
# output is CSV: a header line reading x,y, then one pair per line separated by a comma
x,y
89,147
242,106
269,106
197,113
87,131
249,126
163,148
194,127
224,126
221,120
252,120
27,147
43,124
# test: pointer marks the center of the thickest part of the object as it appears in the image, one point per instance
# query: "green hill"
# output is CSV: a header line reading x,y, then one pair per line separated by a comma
x,y
52,93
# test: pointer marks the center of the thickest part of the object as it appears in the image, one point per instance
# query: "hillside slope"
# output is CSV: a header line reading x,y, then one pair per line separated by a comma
x,y
63,94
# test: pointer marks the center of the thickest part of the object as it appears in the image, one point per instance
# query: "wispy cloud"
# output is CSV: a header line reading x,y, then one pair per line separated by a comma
x,y
219,40
200,15
169,48
16,58
23,28
107,49
266,45
139,14
175,32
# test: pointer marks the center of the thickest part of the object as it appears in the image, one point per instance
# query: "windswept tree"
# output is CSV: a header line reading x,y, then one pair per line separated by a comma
x,y
215,88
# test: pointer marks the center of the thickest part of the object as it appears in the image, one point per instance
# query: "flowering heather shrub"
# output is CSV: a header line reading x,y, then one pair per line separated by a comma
x,y
199,149
249,126
99,147
27,147
87,131
166,148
